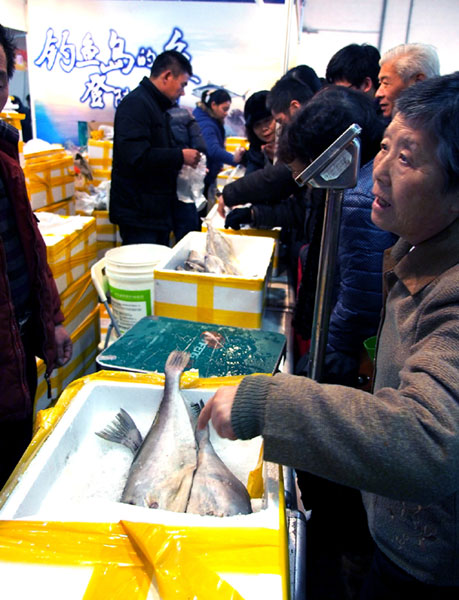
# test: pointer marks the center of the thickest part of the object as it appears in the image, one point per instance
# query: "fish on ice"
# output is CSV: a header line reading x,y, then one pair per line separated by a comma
x,y
176,467
165,461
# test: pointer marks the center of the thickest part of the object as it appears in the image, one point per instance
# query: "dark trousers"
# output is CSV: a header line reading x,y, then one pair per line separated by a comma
x,y
339,547
386,581
143,235
186,219
16,435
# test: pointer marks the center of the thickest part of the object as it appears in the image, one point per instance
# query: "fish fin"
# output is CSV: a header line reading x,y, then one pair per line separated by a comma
x,y
123,431
196,408
176,362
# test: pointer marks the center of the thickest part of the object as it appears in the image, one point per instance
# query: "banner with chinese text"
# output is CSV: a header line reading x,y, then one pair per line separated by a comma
x,y
87,55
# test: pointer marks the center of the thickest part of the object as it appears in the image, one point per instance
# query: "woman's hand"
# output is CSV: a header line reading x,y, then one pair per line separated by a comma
x,y
238,154
218,411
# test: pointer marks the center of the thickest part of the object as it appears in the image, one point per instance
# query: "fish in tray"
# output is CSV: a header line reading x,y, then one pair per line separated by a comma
x,y
175,467
219,257
215,490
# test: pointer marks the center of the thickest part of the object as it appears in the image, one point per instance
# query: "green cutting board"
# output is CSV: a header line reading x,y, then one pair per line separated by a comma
x,y
216,350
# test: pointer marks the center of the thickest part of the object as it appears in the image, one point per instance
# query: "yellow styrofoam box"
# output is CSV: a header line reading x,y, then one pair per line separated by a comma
x,y
234,142
100,175
73,254
210,298
106,231
78,301
50,177
85,341
100,153
66,208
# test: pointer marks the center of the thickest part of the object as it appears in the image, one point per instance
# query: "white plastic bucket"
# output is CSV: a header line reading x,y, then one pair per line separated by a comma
x,y
130,277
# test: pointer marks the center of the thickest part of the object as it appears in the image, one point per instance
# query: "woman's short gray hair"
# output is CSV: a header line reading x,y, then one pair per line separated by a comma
x,y
412,59
433,106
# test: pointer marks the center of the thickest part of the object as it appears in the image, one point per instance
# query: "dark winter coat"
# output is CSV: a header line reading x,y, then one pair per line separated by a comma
x,y
146,161
186,130
264,186
15,400
357,296
213,133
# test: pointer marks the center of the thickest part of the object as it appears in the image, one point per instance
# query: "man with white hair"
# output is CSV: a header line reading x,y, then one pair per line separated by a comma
x,y
401,67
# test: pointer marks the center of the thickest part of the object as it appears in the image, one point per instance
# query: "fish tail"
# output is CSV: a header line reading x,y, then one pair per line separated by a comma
x,y
123,431
176,363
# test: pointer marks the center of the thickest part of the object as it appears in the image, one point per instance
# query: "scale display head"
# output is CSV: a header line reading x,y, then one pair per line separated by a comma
x,y
338,166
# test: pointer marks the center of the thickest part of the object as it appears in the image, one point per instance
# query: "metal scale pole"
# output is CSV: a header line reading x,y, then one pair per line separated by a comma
x,y
335,170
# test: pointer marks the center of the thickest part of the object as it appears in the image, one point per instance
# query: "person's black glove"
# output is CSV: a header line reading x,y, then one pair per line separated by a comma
x,y
238,217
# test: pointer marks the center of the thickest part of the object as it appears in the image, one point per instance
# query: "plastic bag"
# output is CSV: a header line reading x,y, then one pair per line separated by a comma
x,y
190,184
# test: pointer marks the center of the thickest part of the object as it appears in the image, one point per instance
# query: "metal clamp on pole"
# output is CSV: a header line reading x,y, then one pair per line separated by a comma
x,y
336,169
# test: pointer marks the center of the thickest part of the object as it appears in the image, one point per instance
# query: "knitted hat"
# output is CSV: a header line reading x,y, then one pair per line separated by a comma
x,y
255,108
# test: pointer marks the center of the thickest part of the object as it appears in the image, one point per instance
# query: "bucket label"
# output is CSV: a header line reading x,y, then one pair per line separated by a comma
x,y
129,306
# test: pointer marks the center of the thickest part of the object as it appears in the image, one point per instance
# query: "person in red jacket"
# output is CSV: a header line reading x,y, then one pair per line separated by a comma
x,y
30,315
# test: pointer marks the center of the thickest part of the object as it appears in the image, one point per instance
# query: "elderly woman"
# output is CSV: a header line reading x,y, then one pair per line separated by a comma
x,y
399,444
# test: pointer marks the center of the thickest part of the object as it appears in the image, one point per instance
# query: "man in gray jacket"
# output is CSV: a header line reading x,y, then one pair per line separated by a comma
x,y
400,443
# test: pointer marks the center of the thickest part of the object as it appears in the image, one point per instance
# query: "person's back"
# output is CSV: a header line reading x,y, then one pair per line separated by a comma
x,y
186,130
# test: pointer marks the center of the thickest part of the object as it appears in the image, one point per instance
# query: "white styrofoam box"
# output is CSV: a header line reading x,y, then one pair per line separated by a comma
x,y
77,476
236,300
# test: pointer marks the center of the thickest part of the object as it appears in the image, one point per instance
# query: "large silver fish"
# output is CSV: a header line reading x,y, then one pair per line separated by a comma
x,y
216,491
176,467
219,245
161,474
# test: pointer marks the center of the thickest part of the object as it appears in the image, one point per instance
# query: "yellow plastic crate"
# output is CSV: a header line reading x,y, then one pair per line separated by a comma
x,y
100,153
50,177
222,299
73,254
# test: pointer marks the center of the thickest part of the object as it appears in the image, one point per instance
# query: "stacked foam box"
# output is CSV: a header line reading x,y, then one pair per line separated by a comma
x,y
100,153
71,251
66,208
236,300
71,247
107,234
50,177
